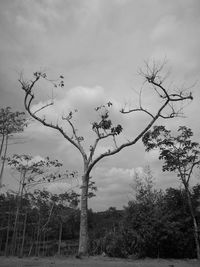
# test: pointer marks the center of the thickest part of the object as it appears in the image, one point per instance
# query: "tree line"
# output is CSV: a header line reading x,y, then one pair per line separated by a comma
x,y
155,223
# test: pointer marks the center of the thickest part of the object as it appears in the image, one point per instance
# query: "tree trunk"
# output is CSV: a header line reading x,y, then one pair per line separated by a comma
x,y
7,234
83,235
44,244
196,236
19,204
60,237
3,161
14,236
37,239
2,143
1,239
23,236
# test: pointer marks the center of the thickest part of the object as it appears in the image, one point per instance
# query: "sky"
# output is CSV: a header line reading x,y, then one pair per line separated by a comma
x,y
99,47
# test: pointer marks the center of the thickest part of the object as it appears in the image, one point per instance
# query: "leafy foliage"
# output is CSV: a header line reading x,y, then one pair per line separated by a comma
x,y
179,152
11,122
34,172
164,229
104,127
44,212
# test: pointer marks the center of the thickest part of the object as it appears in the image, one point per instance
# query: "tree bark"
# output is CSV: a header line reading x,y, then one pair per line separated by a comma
x,y
23,236
195,226
37,249
60,237
14,236
7,233
2,143
83,235
3,160
19,203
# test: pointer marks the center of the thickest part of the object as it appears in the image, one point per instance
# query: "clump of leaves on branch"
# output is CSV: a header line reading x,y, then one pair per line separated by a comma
x,y
11,122
104,127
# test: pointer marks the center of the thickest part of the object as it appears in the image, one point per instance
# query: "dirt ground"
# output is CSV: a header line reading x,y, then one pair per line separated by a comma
x,y
93,262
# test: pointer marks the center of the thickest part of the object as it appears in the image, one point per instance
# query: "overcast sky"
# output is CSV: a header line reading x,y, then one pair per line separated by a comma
x,y
98,46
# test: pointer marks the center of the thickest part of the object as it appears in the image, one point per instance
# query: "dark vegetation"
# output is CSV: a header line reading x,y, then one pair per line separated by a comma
x,y
154,224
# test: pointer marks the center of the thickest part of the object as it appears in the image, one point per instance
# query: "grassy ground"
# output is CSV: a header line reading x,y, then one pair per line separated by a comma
x,y
93,262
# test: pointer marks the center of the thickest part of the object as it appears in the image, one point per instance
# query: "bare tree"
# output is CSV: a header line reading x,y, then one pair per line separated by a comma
x,y
104,129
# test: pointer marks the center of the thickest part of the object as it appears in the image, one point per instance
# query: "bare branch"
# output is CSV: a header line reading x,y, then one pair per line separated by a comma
x,y
29,96
92,150
137,109
153,76
115,142
78,139
47,105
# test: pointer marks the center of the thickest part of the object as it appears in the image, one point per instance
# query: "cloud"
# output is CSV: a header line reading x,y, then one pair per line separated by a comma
x,y
121,2
165,28
33,26
121,172
63,187
80,97
113,186
98,45
174,37
36,159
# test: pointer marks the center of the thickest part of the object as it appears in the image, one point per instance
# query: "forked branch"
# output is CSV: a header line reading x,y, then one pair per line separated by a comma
x,y
104,128
28,87
154,77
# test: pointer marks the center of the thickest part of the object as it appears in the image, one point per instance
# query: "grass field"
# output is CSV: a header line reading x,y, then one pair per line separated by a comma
x,y
94,262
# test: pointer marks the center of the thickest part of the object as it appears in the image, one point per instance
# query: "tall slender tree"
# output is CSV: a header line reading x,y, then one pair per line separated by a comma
x,y
32,172
10,124
104,128
180,155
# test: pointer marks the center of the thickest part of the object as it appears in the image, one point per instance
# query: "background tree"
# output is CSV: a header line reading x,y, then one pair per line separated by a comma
x,y
32,172
178,237
105,232
62,215
10,124
38,229
104,128
143,216
159,223
54,211
180,155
